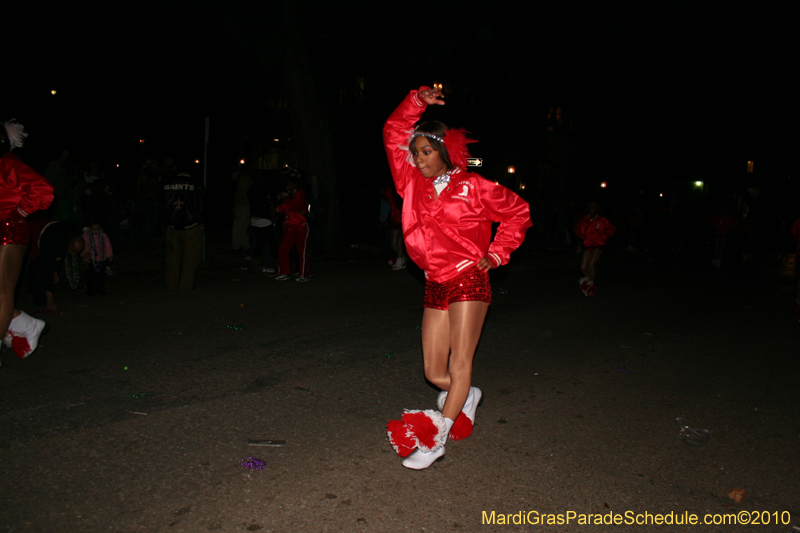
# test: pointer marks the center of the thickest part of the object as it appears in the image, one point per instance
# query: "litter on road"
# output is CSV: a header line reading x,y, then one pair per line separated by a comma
x,y
693,437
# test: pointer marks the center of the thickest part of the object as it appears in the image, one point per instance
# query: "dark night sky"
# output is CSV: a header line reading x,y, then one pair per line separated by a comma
x,y
646,86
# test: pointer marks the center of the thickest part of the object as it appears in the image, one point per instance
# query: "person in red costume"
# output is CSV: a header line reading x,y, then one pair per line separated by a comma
x,y
22,191
295,230
723,223
593,230
447,223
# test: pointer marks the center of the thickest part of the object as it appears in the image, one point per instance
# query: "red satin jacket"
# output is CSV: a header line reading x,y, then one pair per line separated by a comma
x,y
295,208
594,232
444,236
22,189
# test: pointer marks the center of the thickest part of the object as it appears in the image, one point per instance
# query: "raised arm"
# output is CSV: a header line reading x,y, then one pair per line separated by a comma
x,y
398,128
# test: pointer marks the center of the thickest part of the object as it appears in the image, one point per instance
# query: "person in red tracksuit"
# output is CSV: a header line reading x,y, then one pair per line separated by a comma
x,y
22,192
447,223
592,230
295,231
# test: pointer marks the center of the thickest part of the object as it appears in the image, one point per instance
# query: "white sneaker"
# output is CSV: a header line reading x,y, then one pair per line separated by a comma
x,y
266,270
420,460
282,277
301,279
25,331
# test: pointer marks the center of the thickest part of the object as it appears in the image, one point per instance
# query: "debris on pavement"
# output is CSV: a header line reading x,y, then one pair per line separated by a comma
x,y
265,442
693,437
237,327
253,464
737,495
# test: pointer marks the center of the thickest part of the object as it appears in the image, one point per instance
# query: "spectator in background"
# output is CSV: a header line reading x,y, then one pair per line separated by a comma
x,y
97,254
183,210
59,174
52,243
295,230
262,230
722,223
592,230
394,226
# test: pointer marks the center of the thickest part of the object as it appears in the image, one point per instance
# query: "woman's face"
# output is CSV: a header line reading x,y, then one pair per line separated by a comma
x,y
427,159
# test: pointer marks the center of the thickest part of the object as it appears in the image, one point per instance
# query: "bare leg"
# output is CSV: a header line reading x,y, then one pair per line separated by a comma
x,y
466,324
10,262
593,257
585,263
458,329
436,346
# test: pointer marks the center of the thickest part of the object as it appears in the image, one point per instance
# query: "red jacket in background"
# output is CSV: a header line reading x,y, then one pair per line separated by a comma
x,y
22,189
295,208
723,224
444,236
594,232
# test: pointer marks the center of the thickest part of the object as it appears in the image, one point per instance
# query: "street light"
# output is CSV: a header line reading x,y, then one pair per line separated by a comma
x,y
603,185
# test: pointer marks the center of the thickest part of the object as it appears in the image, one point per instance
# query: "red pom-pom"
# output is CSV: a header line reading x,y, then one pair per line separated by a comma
x,y
422,427
462,427
402,443
20,346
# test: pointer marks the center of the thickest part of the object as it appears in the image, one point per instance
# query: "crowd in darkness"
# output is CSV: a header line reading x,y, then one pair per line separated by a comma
x,y
129,208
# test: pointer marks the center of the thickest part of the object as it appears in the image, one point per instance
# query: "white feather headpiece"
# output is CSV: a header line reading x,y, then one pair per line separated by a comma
x,y
15,132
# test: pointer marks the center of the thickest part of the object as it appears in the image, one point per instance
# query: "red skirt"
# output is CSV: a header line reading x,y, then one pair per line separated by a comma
x,y
14,231
470,286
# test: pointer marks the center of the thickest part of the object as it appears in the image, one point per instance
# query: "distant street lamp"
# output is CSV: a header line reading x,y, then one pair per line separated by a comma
x,y
603,185
511,170
53,92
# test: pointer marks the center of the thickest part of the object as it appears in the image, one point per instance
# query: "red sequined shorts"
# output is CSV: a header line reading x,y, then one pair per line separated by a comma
x,y
470,286
14,231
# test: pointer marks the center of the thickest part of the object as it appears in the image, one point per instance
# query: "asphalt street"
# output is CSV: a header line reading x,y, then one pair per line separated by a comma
x,y
136,411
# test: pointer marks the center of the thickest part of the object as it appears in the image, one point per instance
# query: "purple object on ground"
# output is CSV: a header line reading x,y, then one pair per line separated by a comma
x,y
253,463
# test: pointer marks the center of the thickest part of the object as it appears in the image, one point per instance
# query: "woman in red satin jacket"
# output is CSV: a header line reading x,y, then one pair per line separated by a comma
x,y
447,224
592,230
22,192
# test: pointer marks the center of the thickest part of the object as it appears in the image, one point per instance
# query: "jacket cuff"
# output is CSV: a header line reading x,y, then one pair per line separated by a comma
x,y
494,259
417,100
